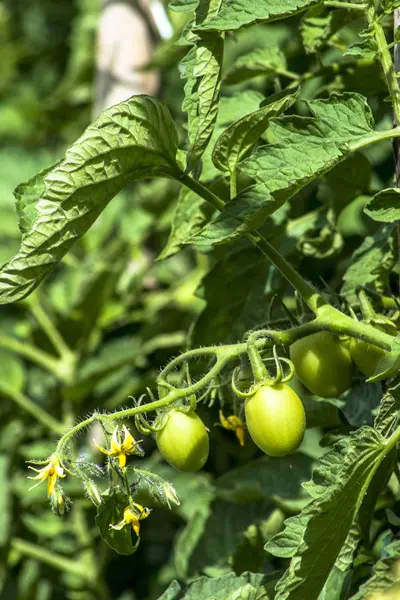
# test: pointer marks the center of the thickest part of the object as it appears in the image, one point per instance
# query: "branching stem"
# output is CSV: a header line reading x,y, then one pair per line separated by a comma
x,y
33,409
329,319
32,353
51,558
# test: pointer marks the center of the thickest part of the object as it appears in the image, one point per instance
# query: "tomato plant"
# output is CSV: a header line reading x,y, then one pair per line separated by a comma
x,y
183,441
228,249
275,419
323,364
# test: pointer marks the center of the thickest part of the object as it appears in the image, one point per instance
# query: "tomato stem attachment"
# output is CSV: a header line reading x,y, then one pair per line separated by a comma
x,y
329,319
143,425
260,373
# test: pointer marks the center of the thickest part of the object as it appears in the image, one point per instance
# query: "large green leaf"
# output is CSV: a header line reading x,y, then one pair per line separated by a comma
x,y
212,540
27,195
132,140
303,148
314,538
241,13
202,67
233,291
234,143
231,109
266,478
261,61
242,215
389,411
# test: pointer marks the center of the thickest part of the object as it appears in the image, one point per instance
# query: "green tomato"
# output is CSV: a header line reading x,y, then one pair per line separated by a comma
x,y
323,364
275,419
183,441
366,356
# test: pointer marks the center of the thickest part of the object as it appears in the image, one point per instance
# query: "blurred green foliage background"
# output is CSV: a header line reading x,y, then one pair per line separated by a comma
x,y
124,314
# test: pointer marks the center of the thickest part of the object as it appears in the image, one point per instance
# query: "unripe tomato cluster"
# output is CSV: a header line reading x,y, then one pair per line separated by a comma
x,y
324,364
275,416
275,420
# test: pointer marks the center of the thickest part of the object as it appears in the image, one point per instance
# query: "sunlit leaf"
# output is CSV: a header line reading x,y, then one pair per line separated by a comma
x,y
241,13
262,61
314,538
238,139
384,206
303,149
129,141
202,67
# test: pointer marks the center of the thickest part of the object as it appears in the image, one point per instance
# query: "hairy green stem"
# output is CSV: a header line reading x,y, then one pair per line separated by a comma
x,y
329,319
109,419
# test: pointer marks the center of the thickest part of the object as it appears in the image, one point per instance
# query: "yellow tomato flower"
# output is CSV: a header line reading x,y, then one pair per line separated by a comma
x,y
50,472
120,449
132,515
233,423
